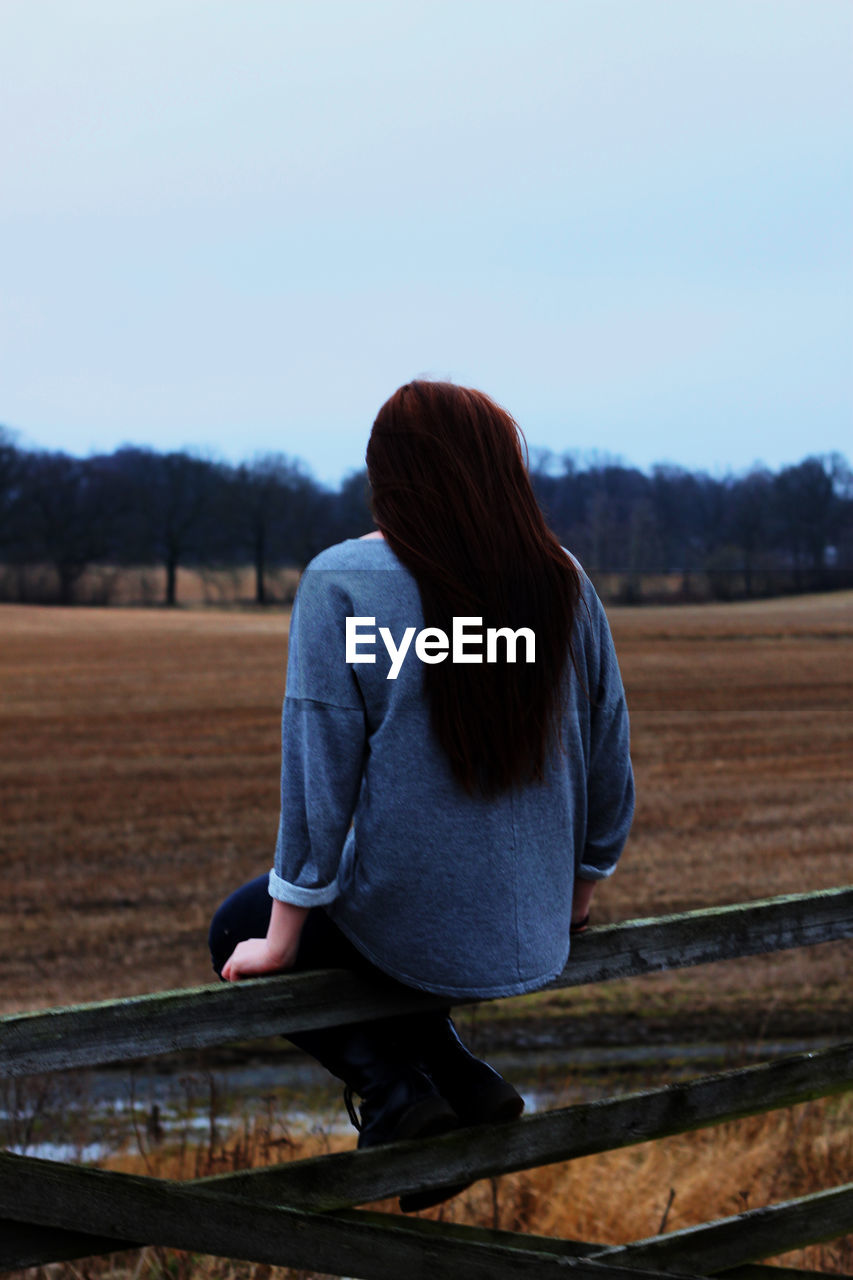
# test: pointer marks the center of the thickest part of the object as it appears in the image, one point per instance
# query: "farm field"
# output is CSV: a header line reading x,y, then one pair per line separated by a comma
x,y
139,783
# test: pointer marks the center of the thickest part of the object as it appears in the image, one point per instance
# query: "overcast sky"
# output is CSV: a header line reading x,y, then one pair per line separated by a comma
x,y
238,225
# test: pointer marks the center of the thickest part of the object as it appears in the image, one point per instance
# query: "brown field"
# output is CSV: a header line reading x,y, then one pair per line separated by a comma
x,y
138,784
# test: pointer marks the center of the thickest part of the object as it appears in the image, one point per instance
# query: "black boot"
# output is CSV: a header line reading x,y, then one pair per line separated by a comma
x,y
476,1092
398,1099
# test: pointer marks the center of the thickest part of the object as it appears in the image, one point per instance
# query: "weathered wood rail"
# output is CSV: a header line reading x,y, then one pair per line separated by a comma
x,y
301,1213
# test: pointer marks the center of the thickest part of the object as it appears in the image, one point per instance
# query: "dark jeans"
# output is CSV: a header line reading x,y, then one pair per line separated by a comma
x,y
246,914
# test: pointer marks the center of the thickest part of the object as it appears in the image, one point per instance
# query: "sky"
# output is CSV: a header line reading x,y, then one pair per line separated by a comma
x,y
237,226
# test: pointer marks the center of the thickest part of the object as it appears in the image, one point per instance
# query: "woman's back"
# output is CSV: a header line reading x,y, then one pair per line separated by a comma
x,y
453,891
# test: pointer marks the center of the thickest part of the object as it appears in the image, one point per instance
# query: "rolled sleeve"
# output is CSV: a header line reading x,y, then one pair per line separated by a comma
x,y
298,895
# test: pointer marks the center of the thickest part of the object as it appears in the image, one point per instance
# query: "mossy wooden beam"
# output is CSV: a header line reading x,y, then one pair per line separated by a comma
x,y
23,1245
141,1026
355,1243
29,1246
746,1237
713,933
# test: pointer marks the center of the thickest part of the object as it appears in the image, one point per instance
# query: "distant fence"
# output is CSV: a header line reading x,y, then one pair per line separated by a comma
x,y
696,586
221,586
123,585
301,1214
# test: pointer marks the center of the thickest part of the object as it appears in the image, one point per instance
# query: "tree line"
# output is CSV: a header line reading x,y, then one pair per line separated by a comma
x,y
756,533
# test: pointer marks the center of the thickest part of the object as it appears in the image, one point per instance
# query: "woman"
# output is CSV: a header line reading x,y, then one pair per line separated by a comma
x,y
455,766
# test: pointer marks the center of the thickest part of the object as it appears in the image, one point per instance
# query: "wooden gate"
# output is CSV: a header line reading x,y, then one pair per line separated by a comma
x,y
301,1213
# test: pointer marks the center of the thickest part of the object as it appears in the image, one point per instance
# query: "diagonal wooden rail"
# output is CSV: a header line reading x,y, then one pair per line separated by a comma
x,y
380,1246
368,1245
714,1246
116,1030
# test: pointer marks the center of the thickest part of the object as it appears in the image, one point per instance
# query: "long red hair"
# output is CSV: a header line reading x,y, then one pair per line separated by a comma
x,y
452,495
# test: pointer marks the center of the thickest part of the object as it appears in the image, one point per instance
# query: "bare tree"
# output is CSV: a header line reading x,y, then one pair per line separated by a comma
x,y
65,516
11,472
274,505
806,510
168,498
751,520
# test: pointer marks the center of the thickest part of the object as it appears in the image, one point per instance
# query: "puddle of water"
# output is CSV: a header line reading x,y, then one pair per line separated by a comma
x,y
87,1116
65,1153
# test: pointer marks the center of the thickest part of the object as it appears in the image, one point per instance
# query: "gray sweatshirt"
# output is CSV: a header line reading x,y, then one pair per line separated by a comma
x,y
460,895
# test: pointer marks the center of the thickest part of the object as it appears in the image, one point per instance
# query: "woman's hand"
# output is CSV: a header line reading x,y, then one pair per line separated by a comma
x,y
273,954
251,958
581,898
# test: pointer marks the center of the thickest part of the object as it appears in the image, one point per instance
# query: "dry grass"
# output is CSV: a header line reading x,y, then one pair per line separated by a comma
x,y
679,1182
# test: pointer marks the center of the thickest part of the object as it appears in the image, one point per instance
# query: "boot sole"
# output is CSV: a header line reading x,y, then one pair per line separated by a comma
x,y
428,1119
417,1200
500,1104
